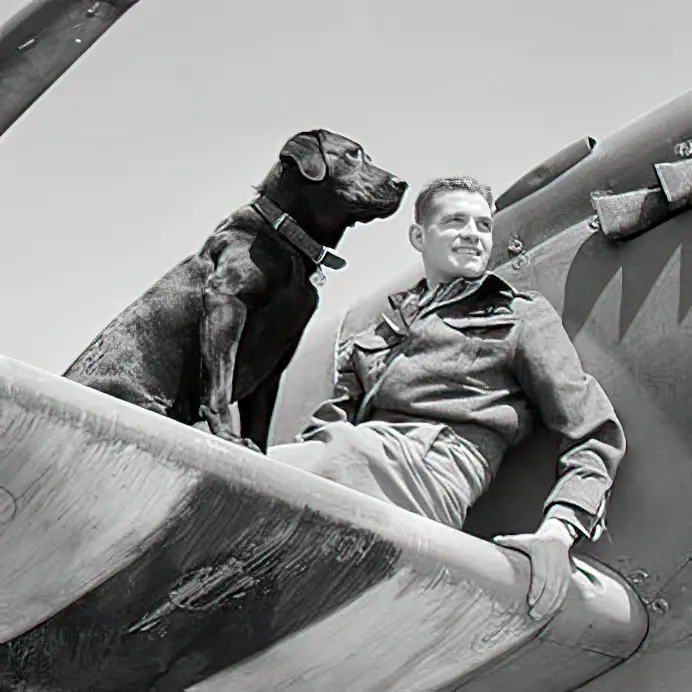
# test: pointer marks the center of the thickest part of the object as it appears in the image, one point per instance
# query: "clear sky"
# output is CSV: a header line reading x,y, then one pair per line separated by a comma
x,y
131,159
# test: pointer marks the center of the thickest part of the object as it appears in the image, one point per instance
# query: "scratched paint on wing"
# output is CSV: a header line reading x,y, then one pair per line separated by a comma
x,y
205,589
232,572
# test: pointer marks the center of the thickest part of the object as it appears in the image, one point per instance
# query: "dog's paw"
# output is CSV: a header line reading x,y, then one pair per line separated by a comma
x,y
225,430
236,440
228,435
247,442
220,426
244,442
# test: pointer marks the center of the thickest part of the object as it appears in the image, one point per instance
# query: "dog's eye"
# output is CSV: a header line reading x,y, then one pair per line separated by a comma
x,y
356,154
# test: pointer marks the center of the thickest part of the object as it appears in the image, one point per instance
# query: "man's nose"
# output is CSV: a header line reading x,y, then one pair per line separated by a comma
x,y
470,230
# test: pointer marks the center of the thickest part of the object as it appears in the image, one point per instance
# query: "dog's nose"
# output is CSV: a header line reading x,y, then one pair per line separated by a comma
x,y
398,184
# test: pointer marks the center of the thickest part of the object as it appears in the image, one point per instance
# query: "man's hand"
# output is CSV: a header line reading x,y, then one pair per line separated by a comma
x,y
551,567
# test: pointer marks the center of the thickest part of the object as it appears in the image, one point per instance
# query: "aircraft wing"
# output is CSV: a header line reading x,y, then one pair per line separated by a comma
x,y
40,42
139,553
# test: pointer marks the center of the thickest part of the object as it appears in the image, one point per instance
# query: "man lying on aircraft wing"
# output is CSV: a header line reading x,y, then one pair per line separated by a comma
x,y
428,399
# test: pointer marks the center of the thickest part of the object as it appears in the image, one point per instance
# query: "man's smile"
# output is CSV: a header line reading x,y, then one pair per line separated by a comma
x,y
466,250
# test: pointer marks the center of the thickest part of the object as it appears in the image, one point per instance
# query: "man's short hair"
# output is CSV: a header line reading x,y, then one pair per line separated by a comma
x,y
464,182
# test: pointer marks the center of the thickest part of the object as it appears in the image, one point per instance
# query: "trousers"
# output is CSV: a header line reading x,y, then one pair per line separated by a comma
x,y
425,468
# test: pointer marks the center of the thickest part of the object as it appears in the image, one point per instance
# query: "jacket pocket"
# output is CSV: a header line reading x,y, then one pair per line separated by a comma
x,y
378,339
373,351
483,326
484,344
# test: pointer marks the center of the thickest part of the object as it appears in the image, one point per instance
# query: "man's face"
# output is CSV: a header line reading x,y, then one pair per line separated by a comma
x,y
455,237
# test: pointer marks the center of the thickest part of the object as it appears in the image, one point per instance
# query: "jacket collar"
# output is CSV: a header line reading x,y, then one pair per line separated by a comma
x,y
453,291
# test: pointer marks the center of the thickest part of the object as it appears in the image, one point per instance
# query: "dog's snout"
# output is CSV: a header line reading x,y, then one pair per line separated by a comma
x,y
398,184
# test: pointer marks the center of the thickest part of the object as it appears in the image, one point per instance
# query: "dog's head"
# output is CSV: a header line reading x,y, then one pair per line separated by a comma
x,y
338,172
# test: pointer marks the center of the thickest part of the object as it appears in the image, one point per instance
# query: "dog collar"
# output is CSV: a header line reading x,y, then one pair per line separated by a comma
x,y
288,227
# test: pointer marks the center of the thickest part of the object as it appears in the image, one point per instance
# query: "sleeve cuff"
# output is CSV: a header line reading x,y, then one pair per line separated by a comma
x,y
587,525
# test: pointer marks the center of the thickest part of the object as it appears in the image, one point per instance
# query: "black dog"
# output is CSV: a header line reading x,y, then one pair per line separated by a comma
x,y
223,325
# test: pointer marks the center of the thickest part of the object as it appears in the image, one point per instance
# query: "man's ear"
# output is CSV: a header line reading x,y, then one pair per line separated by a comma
x,y
305,150
416,234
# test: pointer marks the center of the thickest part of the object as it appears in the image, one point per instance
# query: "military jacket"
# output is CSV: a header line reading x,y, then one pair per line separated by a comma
x,y
488,361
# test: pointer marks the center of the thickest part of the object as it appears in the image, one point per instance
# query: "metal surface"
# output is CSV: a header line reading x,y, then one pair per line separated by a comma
x,y
627,308
546,172
676,182
40,42
625,216
145,554
621,162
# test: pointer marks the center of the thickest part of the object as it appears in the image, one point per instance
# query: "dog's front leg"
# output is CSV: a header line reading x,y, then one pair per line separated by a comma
x,y
220,334
225,314
257,408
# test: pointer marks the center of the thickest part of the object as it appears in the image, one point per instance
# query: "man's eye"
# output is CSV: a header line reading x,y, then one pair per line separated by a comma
x,y
485,225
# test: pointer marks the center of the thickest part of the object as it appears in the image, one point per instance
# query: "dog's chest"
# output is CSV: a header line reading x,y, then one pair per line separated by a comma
x,y
290,309
287,314
272,331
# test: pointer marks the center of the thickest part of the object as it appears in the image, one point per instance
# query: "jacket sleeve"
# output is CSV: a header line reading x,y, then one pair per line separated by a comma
x,y
348,393
573,404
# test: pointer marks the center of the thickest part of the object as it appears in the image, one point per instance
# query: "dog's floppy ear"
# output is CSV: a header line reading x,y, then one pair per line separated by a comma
x,y
306,151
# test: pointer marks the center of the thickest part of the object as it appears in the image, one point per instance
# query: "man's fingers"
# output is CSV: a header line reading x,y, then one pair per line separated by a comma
x,y
551,599
556,586
560,591
539,579
560,588
544,605
549,577
538,567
